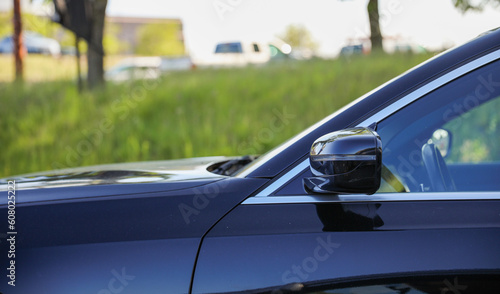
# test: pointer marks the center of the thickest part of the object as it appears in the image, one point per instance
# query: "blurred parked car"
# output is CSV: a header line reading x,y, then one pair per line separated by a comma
x,y
240,53
140,68
280,50
68,50
134,68
176,64
34,43
352,50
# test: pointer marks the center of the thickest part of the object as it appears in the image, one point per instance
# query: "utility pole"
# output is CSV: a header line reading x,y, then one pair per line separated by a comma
x,y
18,41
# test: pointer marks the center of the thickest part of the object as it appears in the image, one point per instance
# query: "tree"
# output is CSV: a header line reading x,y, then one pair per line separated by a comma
x,y
299,38
375,33
374,20
95,53
86,19
7,26
38,24
467,5
113,45
160,39
18,41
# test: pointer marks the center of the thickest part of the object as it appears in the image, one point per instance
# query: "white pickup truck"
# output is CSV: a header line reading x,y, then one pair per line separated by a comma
x,y
240,53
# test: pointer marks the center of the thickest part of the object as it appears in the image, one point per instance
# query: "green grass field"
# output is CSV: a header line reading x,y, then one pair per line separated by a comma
x,y
48,125
39,68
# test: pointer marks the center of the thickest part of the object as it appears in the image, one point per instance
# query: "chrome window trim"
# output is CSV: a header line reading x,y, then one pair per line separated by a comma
x,y
377,117
381,197
431,86
284,179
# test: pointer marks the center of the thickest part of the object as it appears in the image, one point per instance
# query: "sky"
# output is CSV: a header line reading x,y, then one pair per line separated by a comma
x,y
433,24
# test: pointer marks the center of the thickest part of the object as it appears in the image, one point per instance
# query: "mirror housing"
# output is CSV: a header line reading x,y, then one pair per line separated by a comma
x,y
346,161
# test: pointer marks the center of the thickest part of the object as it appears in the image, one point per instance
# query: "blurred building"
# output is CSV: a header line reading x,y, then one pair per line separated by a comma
x,y
130,35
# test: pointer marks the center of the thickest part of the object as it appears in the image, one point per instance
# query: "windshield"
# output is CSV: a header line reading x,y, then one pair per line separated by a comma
x,y
229,48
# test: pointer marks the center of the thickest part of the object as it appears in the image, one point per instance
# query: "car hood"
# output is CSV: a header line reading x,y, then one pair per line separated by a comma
x,y
189,172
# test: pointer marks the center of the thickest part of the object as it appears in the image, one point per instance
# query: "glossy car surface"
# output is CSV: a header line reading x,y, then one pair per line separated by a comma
x,y
295,220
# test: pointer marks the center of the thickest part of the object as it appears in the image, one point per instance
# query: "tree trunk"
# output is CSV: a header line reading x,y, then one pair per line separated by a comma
x,y
375,34
19,49
95,53
78,67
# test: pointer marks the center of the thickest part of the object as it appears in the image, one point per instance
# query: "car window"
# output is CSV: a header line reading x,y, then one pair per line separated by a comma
x,y
256,48
475,135
448,140
229,48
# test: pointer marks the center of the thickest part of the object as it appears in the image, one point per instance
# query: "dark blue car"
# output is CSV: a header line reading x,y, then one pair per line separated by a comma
x,y
398,192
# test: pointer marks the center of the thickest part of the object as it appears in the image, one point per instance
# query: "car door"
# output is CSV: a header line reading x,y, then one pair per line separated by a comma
x,y
436,213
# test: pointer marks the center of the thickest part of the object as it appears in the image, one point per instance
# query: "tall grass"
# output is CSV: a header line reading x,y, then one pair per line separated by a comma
x,y
199,113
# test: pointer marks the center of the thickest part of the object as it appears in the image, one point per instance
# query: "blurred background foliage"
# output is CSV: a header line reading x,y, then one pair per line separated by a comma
x,y
159,39
47,124
475,134
44,26
299,37
205,112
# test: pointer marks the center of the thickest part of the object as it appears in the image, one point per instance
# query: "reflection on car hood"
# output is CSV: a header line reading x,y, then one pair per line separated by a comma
x,y
183,170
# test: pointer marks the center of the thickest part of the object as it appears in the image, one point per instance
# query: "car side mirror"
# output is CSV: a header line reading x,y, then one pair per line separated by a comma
x,y
346,161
